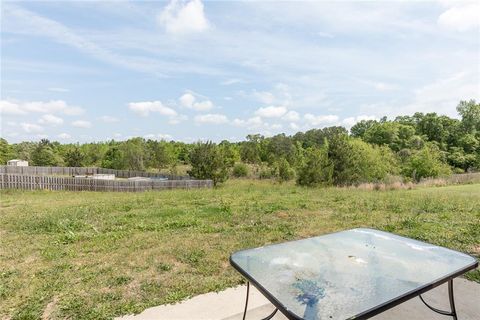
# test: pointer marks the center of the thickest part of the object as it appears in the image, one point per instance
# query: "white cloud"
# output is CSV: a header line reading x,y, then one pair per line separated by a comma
x,y
256,123
213,118
461,17
183,18
144,108
31,127
19,20
443,95
264,96
82,124
50,119
177,119
320,120
203,105
64,136
350,121
291,116
251,123
189,100
271,112
159,136
7,107
279,95
276,126
294,126
53,106
108,119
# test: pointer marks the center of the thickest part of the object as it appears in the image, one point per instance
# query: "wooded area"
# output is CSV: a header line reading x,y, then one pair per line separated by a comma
x,y
409,147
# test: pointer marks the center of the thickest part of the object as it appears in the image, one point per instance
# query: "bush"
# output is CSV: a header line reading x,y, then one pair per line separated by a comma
x,y
356,161
284,172
426,163
266,172
240,170
317,168
208,162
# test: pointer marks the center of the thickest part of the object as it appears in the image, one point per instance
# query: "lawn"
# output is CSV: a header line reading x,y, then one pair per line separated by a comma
x,y
90,255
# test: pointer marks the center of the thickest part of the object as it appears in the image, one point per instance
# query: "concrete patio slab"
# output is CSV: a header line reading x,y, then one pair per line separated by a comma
x,y
229,304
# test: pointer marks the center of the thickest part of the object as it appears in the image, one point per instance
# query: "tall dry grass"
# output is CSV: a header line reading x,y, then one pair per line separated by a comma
x,y
398,183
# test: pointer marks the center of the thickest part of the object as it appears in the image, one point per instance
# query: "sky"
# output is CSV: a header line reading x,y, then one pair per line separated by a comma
x,y
196,70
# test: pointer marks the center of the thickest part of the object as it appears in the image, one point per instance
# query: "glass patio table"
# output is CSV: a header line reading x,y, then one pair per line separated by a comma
x,y
353,274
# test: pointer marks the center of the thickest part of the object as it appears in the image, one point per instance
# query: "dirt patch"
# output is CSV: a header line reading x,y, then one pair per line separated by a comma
x,y
476,250
48,311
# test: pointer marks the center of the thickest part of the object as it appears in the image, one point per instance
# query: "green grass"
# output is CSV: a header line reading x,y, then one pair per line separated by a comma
x,y
90,255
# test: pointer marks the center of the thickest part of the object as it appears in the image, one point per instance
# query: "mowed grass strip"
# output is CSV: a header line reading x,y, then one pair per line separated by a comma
x,y
90,255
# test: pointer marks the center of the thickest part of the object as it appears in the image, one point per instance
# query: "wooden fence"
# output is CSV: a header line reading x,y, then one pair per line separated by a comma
x,y
31,182
72,171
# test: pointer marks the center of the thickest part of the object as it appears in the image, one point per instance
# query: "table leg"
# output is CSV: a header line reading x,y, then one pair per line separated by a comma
x,y
453,312
270,316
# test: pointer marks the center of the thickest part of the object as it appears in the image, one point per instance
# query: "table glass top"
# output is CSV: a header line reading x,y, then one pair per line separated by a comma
x,y
344,274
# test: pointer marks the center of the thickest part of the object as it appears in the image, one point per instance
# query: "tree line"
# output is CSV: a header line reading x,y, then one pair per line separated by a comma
x,y
413,147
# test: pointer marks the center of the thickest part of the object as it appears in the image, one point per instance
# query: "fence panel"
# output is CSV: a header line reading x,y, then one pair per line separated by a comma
x,y
33,182
72,171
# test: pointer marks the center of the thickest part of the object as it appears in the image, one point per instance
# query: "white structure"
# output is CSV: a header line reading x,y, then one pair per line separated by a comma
x,y
17,163
101,176
139,179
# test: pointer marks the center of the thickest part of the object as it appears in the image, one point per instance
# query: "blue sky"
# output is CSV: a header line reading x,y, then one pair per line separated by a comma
x,y
190,70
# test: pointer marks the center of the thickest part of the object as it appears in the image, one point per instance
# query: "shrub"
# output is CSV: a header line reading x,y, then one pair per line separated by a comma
x,y
266,172
284,172
356,161
240,170
317,168
426,163
208,162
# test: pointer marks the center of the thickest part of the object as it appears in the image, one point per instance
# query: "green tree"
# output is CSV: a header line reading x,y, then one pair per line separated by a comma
x,y
457,158
394,135
113,159
6,151
208,162
250,150
230,152
283,170
162,154
356,161
317,168
240,170
95,152
74,157
426,162
44,155
133,152
358,129
24,150
470,112
280,146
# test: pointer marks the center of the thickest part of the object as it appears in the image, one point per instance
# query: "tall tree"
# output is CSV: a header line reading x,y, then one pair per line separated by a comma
x,y
208,162
74,157
470,112
6,151
44,155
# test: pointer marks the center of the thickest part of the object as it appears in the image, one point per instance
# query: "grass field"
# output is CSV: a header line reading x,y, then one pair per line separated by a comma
x,y
97,255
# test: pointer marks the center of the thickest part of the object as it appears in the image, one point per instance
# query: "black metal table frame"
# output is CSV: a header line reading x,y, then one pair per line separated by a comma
x,y
373,311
